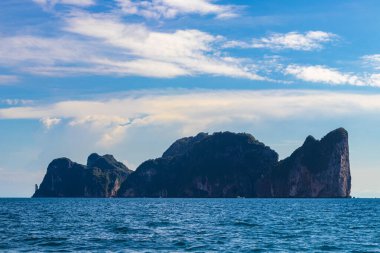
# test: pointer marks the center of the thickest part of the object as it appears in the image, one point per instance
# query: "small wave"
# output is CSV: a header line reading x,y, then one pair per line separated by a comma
x,y
184,225
245,224
328,248
259,250
180,243
196,248
32,239
155,224
51,244
121,229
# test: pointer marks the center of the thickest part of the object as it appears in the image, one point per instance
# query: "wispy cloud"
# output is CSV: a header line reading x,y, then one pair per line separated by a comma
x,y
50,122
8,79
373,60
111,119
308,41
106,43
183,52
29,52
167,9
16,101
48,4
323,74
103,44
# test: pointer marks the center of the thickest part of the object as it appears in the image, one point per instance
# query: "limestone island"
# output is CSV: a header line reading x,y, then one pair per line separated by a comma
x,y
220,165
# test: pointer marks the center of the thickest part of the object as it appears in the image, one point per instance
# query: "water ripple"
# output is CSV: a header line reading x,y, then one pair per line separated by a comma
x,y
194,225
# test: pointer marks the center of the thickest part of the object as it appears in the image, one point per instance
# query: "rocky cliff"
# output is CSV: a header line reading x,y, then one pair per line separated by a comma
x,y
317,169
232,165
101,177
218,165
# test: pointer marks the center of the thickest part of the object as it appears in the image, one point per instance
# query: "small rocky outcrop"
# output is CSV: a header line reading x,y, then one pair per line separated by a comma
x,y
101,177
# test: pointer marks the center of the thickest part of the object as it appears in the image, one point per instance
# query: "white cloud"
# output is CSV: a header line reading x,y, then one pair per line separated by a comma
x,y
373,80
15,101
323,74
372,60
183,52
50,122
157,9
32,50
311,40
99,44
47,4
192,111
100,120
8,79
113,136
111,127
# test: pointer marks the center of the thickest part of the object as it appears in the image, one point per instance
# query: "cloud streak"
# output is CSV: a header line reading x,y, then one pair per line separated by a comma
x,y
100,44
16,101
107,44
308,41
50,122
323,74
372,60
8,79
192,111
183,52
167,9
48,4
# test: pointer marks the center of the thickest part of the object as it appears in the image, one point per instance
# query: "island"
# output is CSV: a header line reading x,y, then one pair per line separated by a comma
x,y
219,165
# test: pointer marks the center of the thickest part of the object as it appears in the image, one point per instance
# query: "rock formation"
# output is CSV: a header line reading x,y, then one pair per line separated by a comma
x,y
101,177
218,165
317,169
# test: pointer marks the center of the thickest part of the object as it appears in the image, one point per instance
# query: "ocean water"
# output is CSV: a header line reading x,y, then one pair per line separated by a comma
x,y
199,225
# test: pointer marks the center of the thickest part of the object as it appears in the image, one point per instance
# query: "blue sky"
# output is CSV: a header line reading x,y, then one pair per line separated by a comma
x,y
130,77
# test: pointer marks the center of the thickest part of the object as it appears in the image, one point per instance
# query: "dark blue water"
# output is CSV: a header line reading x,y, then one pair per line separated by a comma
x,y
346,225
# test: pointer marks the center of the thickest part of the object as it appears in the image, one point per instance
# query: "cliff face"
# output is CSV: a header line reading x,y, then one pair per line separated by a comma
x,y
218,165
101,177
232,165
317,169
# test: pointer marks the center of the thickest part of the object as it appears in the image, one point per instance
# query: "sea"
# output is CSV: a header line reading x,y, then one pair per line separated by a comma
x,y
189,225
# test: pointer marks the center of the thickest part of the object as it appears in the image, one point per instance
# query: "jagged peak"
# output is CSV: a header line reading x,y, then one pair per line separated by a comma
x,y
333,136
106,161
337,134
61,162
228,133
94,158
233,138
309,140
182,145
201,135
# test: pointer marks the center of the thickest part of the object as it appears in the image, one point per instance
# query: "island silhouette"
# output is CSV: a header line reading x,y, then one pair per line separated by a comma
x,y
220,165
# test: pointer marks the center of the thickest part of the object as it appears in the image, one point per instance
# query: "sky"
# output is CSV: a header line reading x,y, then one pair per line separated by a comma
x,y
130,77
